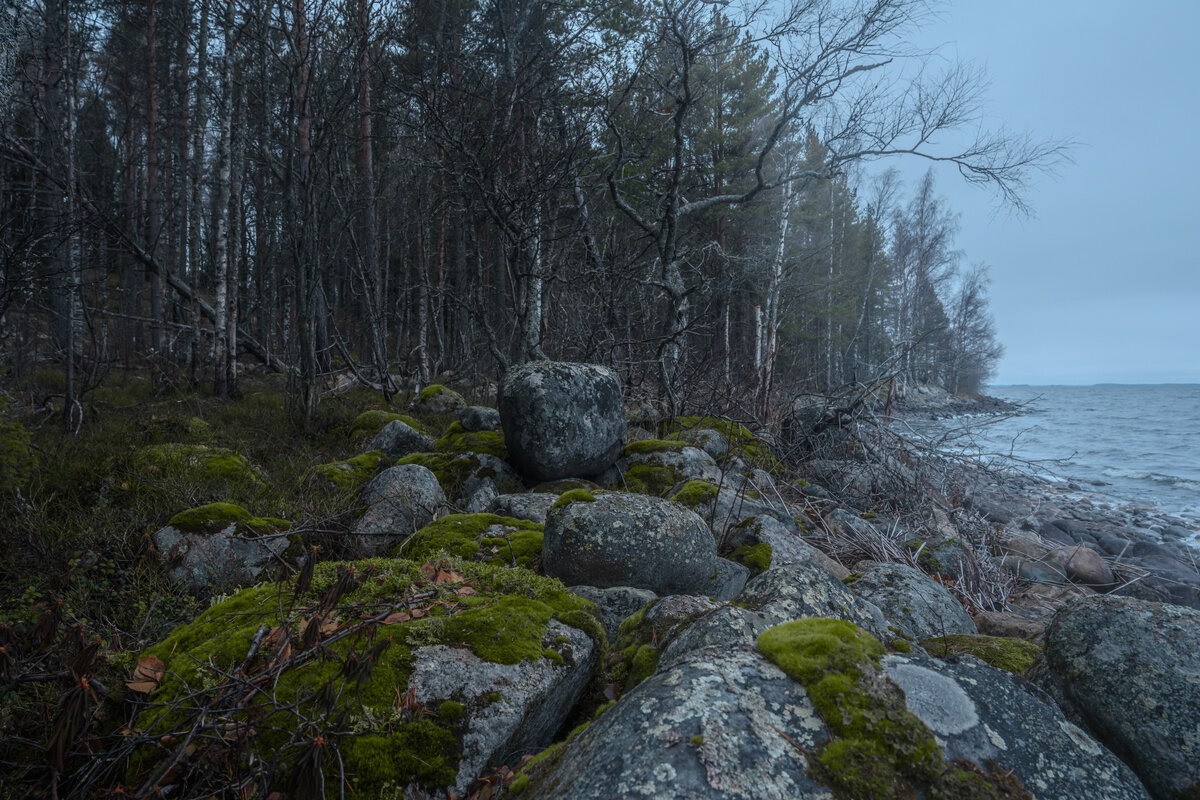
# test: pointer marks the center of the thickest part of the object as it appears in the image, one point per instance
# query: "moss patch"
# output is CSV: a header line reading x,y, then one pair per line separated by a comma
x,y
878,748
742,442
218,471
355,472
574,496
1013,655
695,493
654,446
564,485
458,439
654,479
215,517
371,422
755,556
467,536
502,620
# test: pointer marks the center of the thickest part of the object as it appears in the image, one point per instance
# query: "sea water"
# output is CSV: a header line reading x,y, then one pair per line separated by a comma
x,y
1130,444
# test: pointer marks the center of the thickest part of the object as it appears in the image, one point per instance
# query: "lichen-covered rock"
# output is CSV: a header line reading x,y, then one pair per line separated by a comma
x,y
533,506
787,546
912,600
220,547
794,591
656,466
482,498
629,540
1131,669
640,638
508,708
477,537
398,439
712,442
428,672
727,628
437,399
400,500
479,418
457,439
981,714
354,472
562,420
708,727
616,603
462,473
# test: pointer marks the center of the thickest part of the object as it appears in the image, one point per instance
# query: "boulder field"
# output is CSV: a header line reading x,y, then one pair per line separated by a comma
x,y
658,618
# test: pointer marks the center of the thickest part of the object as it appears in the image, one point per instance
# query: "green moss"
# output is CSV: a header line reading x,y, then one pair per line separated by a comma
x,y
213,470
574,496
697,741
695,493
529,774
215,517
493,697
654,446
453,469
742,442
853,577
458,439
466,536
504,621
755,556
355,472
371,422
553,656
900,646
450,711
433,390
563,486
1013,655
652,479
879,749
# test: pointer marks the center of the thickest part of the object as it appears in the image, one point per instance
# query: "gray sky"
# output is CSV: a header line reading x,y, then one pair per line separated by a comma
x,y
1103,284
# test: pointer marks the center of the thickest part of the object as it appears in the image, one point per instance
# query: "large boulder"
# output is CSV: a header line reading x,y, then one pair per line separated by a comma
x,y
628,540
793,591
562,420
400,500
1131,670
479,418
437,399
786,545
534,506
912,600
219,547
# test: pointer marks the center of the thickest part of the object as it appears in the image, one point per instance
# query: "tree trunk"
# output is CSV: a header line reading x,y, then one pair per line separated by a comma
x,y
221,211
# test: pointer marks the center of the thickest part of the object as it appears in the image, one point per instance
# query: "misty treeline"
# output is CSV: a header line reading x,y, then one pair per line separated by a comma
x,y
407,189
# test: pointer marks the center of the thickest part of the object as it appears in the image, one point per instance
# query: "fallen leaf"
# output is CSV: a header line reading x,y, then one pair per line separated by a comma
x,y
428,571
447,577
399,616
465,591
146,675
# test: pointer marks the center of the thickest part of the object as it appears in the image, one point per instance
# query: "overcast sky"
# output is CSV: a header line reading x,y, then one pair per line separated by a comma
x,y
1103,284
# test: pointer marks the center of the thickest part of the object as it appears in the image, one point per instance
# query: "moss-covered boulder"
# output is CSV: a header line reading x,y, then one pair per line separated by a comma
x,y
479,418
412,676
741,442
458,439
477,537
354,472
786,545
657,466
398,439
220,546
793,591
461,474
437,399
371,422
197,470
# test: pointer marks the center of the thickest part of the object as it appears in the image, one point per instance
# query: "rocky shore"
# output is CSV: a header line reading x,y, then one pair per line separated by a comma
x,y
548,603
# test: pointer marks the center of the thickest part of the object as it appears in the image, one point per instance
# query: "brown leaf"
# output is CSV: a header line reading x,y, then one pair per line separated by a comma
x,y
465,591
447,577
399,616
146,675
428,571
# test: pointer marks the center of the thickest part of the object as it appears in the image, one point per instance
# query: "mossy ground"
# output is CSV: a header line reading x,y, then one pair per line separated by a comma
x,y
878,749
467,536
1013,655
358,677
458,439
214,517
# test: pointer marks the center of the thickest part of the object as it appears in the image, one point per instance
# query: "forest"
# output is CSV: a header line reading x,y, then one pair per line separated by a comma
x,y
694,192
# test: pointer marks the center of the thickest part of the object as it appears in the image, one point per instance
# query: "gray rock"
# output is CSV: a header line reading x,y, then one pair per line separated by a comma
x,y
689,463
913,601
1131,669
787,546
732,506
535,696
795,591
483,497
220,561
480,418
562,420
400,500
533,506
399,440
728,627
712,442
617,603
629,540
705,728
980,713
437,399
727,579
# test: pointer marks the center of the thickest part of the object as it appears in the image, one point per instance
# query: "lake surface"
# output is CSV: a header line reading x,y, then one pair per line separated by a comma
x,y
1136,444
